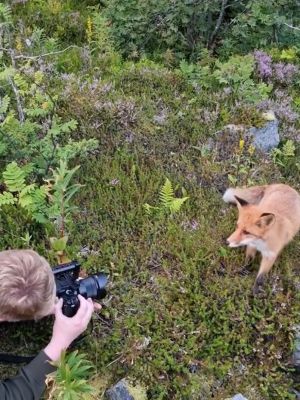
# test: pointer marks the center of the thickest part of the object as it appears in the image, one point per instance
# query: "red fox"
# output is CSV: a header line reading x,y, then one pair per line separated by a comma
x,y
269,218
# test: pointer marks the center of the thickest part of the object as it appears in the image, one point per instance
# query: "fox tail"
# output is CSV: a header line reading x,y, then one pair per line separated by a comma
x,y
252,195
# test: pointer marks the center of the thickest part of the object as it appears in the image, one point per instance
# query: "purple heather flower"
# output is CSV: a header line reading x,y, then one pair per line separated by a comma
x,y
263,64
129,137
114,182
192,225
282,106
284,73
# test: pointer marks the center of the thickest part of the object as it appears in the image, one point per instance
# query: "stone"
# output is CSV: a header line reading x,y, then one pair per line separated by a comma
x,y
267,137
296,353
123,390
238,397
226,142
119,392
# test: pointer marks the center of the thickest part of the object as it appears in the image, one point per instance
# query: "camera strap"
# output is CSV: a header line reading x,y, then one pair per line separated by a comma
x,y
6,358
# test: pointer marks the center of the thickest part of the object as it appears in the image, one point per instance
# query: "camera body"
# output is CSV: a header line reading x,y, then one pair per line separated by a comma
x,y
69,286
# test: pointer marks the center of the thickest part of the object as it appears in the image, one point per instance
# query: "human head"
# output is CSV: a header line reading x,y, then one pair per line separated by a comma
x,y
27,287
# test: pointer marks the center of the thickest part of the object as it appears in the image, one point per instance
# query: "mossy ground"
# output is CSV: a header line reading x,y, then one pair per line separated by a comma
x,y
179,318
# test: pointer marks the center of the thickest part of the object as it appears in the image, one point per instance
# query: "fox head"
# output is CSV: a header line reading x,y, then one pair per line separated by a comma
x,y
252,225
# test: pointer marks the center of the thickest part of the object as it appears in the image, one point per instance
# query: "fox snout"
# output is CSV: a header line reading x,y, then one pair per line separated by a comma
x,y
235,239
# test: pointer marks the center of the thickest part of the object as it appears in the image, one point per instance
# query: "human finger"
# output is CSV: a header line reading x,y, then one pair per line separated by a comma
x,y
82,307
90,310
97,306
58,306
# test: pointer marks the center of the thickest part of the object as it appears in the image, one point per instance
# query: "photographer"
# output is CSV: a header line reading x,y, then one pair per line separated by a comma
x,y
27,291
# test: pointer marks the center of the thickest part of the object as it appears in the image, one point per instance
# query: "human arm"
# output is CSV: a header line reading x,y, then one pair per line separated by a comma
x,y
30,383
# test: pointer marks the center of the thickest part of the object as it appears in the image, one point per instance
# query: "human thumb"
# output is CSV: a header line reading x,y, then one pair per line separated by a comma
x,y
58,306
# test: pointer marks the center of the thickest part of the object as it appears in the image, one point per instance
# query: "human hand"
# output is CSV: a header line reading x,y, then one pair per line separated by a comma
x,y
66,329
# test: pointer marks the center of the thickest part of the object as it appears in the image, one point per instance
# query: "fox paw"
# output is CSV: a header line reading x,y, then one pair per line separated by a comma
x,y
244,271
258,285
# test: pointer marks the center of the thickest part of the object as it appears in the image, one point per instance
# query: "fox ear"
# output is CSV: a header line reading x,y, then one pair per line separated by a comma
x,y
241,202
266,219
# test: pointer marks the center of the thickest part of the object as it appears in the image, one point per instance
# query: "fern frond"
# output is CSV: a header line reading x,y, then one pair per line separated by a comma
x,y
6,13
25,196
20,82
7,73
288,149
58,129
166,195
7,198
3,148
4,104
38,205
150,209
14,177
36,112
176,204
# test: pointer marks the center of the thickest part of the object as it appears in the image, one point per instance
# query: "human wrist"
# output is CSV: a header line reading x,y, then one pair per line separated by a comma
x,y
55,347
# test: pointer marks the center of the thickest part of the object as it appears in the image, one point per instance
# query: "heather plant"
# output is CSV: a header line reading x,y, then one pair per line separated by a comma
x,y
281,72
237,73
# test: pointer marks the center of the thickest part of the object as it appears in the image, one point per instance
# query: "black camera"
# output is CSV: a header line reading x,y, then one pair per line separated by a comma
x,y
68,286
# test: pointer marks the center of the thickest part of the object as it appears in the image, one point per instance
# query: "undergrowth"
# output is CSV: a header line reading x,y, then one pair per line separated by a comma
x,y
179,318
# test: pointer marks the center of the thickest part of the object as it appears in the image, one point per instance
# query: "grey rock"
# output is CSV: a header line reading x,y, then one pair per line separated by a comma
x,y
225,142
238,397
266,138
119,392
296,353
296,393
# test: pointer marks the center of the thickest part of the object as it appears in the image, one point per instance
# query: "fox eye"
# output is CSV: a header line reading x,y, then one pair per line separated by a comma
x,y
246,232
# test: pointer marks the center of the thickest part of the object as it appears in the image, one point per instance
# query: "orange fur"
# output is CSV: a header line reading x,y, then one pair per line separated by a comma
x,y
269,218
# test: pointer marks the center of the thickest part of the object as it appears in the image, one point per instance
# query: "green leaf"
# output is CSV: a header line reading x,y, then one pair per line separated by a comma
x,y
7,198
14,177
59,244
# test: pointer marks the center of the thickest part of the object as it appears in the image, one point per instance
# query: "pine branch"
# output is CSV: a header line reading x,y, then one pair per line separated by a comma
x,y
22,56
296,28
46,54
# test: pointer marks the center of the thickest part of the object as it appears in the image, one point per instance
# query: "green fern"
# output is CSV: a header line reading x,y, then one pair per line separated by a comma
x,y
6,14
7,73
59,128
176,204
20,83
7,198
281,156
169,204
288,149
38,207
14,177
166,195
4,104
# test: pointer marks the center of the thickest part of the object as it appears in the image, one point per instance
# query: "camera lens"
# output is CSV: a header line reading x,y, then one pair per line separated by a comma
x,y
93,286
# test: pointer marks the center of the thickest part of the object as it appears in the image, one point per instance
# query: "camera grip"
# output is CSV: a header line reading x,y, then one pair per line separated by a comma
x,y
70,306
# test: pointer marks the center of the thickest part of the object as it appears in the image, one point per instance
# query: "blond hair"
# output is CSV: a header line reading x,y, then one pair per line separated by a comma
x,y
27,288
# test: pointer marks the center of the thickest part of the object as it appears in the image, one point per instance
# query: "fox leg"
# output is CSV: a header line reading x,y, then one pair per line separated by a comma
x,y
250,254
265,266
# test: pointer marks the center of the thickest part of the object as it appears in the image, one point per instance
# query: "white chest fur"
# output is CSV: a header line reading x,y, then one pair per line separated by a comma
x,y
261,246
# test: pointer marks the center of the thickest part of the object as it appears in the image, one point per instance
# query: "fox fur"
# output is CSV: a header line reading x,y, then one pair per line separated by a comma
x,y
269,218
